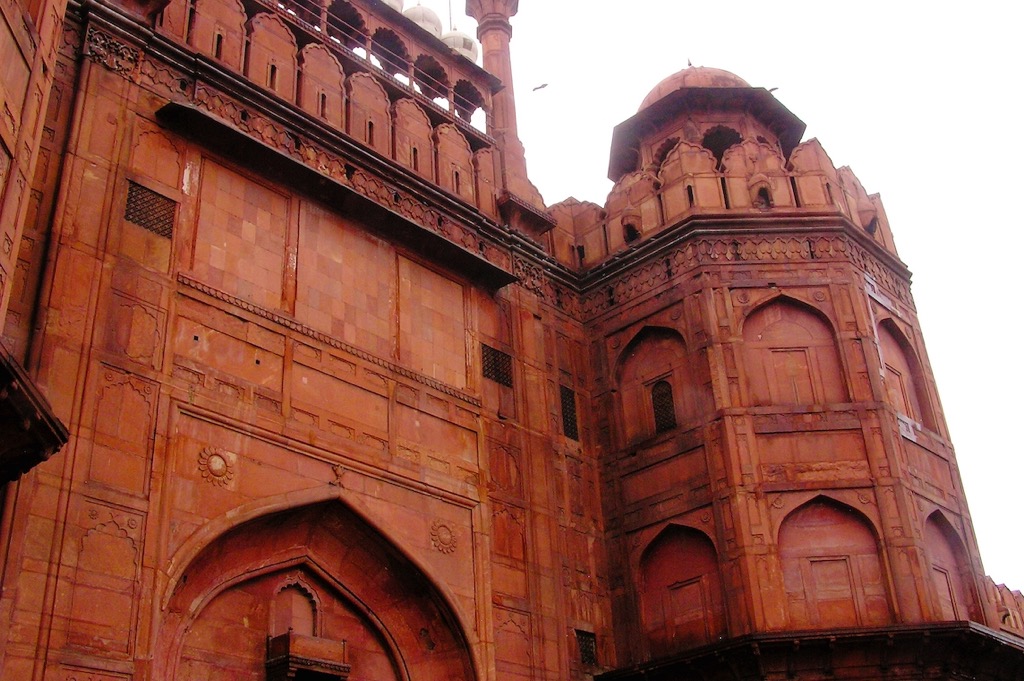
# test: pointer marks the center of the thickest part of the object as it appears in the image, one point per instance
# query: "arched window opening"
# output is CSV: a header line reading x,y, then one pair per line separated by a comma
x,y
431,77
467,99
831,567
415,159
663,151
718,139
390,51
322,105
630,233
664,407
681,591
346,27
294,609
369,133
218,45
272,76
763,198
457,181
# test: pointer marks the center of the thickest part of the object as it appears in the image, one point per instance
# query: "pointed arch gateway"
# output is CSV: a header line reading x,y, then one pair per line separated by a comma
x,y
374,610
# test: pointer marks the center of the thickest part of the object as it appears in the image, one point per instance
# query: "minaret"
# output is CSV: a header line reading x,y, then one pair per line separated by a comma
x,y
495,33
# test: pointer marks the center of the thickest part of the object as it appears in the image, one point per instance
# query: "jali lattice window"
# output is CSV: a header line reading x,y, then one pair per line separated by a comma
x,y
587,642
570,428
497,365
664,407
150,210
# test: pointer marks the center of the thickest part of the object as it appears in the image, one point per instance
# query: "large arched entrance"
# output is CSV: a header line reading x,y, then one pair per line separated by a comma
x,y
315,589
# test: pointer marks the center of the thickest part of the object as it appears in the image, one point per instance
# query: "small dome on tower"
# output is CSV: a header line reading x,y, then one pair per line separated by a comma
x,y
692,76
397,5
462,43
426,18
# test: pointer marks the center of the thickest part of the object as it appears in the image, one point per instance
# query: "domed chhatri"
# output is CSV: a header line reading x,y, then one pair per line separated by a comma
x,y
462,43
692,77
425,18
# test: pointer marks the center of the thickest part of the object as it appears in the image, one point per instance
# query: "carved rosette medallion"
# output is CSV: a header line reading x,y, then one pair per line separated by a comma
x,y
442,537
215,466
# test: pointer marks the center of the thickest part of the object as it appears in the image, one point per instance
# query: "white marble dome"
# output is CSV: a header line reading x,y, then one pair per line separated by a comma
x,y
463,44
398,5
426,18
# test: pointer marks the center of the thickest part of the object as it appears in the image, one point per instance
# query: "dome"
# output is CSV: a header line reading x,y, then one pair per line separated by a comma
x,y
693,76
397,5
462,43
426,18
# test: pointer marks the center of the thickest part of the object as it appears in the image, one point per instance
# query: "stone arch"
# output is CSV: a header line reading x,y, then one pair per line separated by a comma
x,y
832,567
467,99
390,51
791,356
345,25
396,621
904,380
950,569
430,77
657,355
680,590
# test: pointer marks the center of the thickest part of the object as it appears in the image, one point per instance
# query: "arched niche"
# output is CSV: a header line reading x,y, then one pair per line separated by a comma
x,y
413,138
467,99
271,62
321,84
430,77
218,31
655,357
680,591
455,162
950,571
791,357
832,568
904,382
369,602
369,112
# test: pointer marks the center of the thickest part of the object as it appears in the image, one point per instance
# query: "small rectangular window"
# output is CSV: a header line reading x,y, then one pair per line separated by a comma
x,y
587,642
570,428
150,210
497,365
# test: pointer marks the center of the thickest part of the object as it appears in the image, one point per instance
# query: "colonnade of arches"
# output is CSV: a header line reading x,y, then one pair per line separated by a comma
x,y
414,120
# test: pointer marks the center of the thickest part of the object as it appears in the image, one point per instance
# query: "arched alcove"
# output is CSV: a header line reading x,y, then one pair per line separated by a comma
x,y
345,25
832,568
372,605
681,591
950,571
653,365
904,383
390,52
791,357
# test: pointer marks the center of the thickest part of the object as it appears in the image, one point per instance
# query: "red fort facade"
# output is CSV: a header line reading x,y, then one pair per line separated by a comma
x,y
301,379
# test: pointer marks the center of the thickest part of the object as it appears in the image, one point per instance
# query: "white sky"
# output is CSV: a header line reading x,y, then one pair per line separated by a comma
x,y
919,99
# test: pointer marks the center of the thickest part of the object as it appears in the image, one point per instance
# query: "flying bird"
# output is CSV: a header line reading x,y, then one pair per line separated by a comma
x,y
540,87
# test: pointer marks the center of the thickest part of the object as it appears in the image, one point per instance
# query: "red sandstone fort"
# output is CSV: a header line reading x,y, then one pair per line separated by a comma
x,y
301,379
